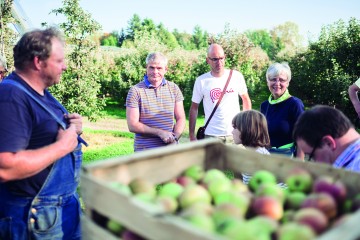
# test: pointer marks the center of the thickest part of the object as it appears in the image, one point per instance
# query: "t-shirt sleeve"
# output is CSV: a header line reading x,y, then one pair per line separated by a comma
x,y
178,94
132,99
243,88
15,125
357,83
197,95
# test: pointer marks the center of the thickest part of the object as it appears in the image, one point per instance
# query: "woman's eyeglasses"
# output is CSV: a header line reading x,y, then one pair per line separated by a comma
x,y
281,80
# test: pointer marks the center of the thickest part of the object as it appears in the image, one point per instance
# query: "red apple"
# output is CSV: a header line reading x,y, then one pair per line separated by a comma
x,y
335,188
322,201
268,206
313,218
184,181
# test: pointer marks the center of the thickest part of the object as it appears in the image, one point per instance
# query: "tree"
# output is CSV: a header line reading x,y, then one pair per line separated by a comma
x,y
323,73
80,86
287,39
265,41
184,40
200,38
7,35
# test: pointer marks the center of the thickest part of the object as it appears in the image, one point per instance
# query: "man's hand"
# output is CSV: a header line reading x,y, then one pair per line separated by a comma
x,y
167,137
68,138
75,119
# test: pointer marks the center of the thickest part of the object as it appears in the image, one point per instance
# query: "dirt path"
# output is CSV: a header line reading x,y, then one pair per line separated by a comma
x,y
107,124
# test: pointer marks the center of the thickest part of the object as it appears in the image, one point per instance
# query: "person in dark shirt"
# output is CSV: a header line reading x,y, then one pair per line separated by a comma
x,y
40,150
281,110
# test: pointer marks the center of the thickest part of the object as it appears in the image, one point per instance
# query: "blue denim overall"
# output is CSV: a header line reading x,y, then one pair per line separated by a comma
x,y
53,214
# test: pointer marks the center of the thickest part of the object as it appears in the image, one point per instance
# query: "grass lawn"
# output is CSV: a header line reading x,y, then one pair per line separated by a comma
x,y
109,137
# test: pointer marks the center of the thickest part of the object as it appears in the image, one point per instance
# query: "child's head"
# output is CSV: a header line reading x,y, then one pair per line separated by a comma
x,y
250,129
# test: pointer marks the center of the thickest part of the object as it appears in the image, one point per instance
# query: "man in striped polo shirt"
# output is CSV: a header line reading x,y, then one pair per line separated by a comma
x,y
152,105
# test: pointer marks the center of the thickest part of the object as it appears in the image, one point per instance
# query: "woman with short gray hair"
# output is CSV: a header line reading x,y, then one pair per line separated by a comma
x,y
281,110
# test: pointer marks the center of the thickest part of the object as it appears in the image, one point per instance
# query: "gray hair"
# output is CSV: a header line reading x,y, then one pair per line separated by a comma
x,y
3,62
276,69
157,57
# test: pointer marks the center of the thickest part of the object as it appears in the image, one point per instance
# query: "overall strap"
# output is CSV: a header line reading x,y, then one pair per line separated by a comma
x,y
58,120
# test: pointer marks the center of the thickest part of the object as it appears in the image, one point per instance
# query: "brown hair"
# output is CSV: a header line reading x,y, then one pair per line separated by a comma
x,y
36,43
253,128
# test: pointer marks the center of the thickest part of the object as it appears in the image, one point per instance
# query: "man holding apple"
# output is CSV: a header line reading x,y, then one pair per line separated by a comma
x,y
40,151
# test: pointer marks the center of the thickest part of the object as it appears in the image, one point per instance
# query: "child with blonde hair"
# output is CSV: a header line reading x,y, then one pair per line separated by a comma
x,y
251,130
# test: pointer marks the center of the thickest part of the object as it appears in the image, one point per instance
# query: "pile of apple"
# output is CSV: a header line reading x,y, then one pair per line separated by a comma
x,y
303,209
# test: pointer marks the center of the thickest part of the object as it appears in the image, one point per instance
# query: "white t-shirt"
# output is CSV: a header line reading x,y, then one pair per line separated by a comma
x,y
357,83
208,89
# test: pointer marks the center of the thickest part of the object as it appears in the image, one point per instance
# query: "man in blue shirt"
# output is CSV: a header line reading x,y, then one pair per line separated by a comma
x,y
326,135
40,153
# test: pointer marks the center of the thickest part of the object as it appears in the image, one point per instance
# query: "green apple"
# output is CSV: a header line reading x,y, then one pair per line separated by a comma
x,y
169,203
299,180
213,174
239,186
202,221
242,201
261,177
294,231
125,189
271,189
269,225
114,227
243,230
193,194
171,189
218,186
294,200
139,185
195,172
225,211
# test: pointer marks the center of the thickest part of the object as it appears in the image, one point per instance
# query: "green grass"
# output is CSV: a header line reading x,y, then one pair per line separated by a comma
x,y
113,150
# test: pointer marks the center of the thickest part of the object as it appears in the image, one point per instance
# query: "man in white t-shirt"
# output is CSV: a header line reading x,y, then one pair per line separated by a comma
x,y
353,94
208,87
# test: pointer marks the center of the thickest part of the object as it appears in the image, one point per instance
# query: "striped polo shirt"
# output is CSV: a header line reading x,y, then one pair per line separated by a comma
x,y
156,107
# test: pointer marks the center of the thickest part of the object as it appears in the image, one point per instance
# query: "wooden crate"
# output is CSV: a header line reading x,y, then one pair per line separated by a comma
x,y
163,164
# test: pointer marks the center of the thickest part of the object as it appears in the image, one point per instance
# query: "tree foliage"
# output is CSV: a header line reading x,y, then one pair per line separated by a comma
x,y
323,73
7,35
79,89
